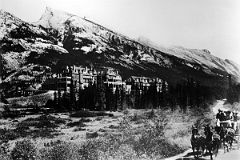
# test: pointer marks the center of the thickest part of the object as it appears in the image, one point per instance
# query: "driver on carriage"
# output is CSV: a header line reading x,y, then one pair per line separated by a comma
x,y
220,115
234,121
235,117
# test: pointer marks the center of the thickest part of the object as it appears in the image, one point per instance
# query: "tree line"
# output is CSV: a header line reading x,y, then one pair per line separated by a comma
x,y
233,91
100,96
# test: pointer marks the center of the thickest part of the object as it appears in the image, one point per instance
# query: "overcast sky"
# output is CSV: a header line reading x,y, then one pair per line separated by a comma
x,y
210,24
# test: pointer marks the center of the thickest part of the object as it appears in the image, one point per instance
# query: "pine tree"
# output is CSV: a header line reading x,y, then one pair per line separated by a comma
x,y
80,99
172,100
117,98
109,98
153,94
137,97
90,96
231,92
1,68
65,102
163,95
198,94
72,104
101,99
59,99
132,97
145,98
123,99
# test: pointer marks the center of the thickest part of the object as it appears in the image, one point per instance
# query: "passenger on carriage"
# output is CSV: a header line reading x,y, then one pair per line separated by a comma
x,y
228,115
220,115
235,117
234,121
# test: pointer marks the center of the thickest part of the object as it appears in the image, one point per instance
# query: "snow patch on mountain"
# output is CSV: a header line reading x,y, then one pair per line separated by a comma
x,y
53,19
7,23
66,23
14,60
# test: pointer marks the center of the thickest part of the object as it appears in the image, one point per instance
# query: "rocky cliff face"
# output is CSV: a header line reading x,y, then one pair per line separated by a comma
x,y
60,39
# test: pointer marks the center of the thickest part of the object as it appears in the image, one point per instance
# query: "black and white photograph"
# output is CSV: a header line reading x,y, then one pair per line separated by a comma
x,y
119,80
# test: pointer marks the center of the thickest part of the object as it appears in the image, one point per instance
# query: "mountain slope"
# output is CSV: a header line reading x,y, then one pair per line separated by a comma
x,y
59,39
102,40
200,56
19,39
204,58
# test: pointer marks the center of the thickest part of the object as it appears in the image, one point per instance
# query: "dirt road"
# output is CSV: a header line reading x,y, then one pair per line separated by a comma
x,y
233,154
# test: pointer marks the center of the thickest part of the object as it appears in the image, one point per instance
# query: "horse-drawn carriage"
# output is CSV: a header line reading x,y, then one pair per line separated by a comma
x,y
207,141
229,120
223,134
231,124
235,128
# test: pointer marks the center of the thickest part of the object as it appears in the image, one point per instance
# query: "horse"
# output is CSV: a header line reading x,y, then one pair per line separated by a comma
x,y
218,126
212,141
224,139
197,142
229,137
226,134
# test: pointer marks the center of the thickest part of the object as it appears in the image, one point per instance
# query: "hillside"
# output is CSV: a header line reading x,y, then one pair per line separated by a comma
x,y
60,39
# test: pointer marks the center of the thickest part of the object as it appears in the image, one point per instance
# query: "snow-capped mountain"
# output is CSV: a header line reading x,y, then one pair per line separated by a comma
x,y
19,39
60,39
63,22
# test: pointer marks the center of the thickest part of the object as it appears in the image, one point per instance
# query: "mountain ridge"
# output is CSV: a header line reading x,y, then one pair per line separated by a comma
x,y
153,46
59,39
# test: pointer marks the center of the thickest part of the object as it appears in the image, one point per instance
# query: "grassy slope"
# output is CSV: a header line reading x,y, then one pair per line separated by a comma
x,y
132,134
40,99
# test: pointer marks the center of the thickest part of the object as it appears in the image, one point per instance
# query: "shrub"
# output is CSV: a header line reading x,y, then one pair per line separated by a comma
x,y
77,123
43,121
10,114
150,115
4,149
87,113
24,150
91,135
124,152
89,150
135,117
126,112
141,117
99,118
8,134
86,120
44,126
70,151
59,150
83,113
4,156
79,129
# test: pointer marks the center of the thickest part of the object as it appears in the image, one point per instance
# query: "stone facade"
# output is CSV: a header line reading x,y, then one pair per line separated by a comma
x,y
145,82
81,77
